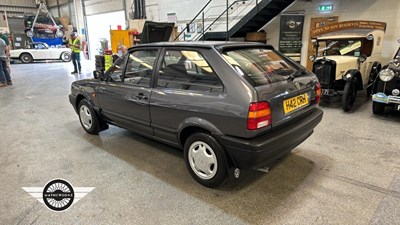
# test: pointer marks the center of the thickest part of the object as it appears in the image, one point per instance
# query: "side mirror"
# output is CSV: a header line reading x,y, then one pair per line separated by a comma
x,y
98,74
312,58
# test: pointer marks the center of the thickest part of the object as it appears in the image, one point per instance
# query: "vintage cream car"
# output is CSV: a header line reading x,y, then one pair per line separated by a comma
x,y
40,51
347,62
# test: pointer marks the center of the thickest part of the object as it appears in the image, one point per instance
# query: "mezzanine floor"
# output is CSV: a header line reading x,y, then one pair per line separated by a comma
x,y
348,172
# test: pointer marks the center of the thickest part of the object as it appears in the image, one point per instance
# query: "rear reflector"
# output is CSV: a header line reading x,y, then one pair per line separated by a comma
x,y
317,93
259,115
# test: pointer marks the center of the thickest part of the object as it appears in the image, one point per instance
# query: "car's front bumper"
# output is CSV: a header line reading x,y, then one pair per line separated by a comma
x,y
386,99
262,151
72,100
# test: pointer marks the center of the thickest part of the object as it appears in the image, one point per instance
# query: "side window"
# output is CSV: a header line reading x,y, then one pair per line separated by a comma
x,y
188,70
139,68
115,72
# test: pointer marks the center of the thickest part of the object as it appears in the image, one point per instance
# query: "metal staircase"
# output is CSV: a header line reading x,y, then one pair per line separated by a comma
x,y
237,18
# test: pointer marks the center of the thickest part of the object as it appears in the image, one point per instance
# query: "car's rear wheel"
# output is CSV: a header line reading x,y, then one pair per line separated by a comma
x,y
66,57
349,94
88,117
26,58
205,159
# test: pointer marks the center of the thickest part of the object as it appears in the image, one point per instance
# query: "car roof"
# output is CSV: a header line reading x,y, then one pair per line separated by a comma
x,y
203,44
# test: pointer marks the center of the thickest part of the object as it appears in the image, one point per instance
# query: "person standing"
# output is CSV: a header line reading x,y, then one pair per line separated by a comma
x,y
5,78
75,46
5,39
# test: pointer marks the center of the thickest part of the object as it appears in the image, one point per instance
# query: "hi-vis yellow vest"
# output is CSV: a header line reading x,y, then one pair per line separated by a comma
x,y
73,48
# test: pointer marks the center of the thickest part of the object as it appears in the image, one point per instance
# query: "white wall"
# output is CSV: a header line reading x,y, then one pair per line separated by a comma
x,y
378,10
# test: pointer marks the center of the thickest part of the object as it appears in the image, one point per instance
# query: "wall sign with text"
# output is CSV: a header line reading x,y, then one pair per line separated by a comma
x,y
291,33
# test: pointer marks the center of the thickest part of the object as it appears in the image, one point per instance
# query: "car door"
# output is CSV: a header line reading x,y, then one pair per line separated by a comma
x,y
40,51
124,97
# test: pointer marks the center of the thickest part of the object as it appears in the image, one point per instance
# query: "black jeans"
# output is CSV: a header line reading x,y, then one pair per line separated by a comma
x,y
76,60
4,75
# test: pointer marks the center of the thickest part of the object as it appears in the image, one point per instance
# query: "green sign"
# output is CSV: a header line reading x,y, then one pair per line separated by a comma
x,y
324,8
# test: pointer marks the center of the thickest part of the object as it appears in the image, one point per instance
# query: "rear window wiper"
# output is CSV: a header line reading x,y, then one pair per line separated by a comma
x,y
296,73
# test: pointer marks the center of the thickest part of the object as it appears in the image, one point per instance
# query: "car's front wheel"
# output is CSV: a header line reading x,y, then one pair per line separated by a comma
x,y
88,117
349,94
26,58
205,159
30,33
66,57
59,33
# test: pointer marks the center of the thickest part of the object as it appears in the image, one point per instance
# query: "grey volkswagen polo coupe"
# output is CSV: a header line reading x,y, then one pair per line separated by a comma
x,y
229,105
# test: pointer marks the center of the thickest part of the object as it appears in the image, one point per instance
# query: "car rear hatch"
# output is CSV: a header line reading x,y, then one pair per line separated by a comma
x,y
155,32
289,89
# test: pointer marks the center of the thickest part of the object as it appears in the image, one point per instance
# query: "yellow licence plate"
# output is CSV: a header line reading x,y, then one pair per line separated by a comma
x,y
294,103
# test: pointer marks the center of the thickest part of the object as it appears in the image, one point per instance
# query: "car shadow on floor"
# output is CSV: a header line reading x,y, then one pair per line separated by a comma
x,y
253,197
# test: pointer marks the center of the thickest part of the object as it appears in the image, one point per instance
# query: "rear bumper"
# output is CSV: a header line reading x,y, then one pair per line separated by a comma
x,y
262,151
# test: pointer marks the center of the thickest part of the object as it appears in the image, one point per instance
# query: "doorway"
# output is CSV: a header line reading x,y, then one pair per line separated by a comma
x,y
99,27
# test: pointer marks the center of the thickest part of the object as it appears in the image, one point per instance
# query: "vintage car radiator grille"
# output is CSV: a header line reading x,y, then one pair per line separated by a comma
x,y
326,72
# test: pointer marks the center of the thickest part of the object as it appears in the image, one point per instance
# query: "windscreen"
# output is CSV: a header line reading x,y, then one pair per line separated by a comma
x,y
260,66
344,47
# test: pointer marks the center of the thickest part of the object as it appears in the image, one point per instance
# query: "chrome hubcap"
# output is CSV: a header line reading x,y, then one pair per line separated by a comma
x,y
202,160
86,117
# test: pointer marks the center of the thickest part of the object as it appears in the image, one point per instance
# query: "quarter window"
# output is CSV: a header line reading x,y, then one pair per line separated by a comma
x,y
188,70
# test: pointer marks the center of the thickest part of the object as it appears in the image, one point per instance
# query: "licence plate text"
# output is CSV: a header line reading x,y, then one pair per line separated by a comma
x,y
294,103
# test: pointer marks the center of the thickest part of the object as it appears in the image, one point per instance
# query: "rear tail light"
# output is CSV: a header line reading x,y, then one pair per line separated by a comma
x,y
259,115
317,92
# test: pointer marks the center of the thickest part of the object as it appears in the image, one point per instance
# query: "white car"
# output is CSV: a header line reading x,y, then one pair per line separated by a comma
x,y
40,51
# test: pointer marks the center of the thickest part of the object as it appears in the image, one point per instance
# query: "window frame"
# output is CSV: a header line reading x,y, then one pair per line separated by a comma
x,y
125,63
201,51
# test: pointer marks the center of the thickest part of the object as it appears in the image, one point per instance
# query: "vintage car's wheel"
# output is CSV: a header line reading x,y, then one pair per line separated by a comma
x,y
30,33
205,159
88,117
349,94
59,33
378,108
66,56
26,58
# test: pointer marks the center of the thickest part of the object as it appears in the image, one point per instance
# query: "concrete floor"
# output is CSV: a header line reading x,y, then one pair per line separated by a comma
x,y
348,172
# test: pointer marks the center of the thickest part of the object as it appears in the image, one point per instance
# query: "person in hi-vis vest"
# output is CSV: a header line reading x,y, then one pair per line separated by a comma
x,y
75,45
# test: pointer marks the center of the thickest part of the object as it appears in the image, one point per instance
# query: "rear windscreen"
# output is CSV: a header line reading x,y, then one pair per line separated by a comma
x,y
260,66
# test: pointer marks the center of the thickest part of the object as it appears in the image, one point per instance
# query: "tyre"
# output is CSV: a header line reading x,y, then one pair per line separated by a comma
x,y
26,58
88,117
59,33
66,57
205,159
378,108
349,94
30,33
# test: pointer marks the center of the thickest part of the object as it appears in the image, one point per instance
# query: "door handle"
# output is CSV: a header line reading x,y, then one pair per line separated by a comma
x,y
141,96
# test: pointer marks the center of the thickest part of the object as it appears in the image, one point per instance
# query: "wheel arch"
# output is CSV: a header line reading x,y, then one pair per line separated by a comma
x,y
26,53
193,124
80,97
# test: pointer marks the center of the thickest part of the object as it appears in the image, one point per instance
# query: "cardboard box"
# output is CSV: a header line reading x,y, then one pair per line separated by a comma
x,y
256,36
137,24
